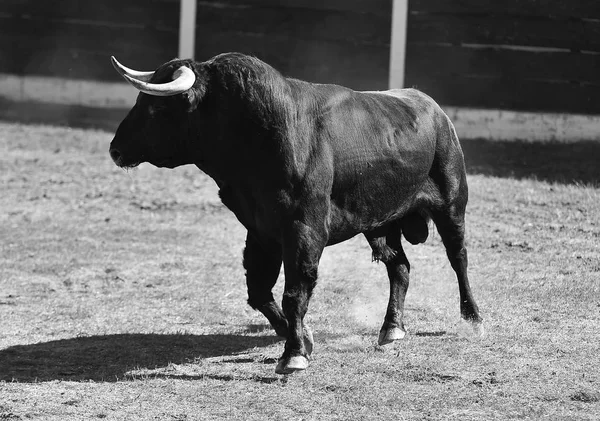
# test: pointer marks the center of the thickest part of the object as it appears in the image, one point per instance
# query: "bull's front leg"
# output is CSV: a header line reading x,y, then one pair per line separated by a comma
x,y
262,261
302,248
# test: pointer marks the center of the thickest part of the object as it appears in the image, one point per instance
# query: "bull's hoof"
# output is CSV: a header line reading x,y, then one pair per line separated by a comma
x,y
290,365
387,336
471,329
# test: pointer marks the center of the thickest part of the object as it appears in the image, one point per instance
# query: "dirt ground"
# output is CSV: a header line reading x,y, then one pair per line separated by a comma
x,y
122,297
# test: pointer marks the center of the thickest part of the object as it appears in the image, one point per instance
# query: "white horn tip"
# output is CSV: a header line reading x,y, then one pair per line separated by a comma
x,y
126,71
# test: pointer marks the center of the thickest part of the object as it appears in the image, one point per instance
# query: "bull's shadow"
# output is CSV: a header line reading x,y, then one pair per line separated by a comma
x,y
109,358
553,162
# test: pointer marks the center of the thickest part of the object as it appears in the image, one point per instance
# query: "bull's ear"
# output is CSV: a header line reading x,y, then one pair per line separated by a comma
x,y
190,100
193,96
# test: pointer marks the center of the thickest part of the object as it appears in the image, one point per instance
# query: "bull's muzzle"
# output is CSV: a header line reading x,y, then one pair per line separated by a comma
x,y
116,156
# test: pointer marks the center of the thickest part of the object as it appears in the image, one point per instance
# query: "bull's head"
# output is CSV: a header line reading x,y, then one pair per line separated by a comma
x,y
157,128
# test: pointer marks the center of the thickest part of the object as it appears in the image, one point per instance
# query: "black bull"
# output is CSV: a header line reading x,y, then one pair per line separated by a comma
x,y
304,166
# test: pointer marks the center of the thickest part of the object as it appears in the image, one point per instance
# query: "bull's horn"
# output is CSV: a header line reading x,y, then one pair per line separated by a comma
x,y
122,70
183,79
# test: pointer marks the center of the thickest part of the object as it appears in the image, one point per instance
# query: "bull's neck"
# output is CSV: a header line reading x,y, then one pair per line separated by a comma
x,y
240,137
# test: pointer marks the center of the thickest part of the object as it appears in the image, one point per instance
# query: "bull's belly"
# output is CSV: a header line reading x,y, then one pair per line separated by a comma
x,y
346,222
370,191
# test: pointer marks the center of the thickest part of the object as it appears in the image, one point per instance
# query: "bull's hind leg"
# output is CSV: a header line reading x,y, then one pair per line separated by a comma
x,y
390,251
450,223
262,263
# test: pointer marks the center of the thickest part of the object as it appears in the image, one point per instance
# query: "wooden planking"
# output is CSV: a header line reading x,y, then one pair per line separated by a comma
x,y
361,68
42,34
72,38
75,39
466,29
74,49
521,54
319,25
510,94
499,62
540,8
11,56
156,13
372,7
327,42
85,65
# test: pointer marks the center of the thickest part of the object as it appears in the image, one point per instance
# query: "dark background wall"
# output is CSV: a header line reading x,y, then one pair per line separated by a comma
x,y
328,41
509,54
338,41
534,55
75,38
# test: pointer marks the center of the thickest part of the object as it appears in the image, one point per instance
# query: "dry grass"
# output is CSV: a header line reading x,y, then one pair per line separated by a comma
x,y
122,297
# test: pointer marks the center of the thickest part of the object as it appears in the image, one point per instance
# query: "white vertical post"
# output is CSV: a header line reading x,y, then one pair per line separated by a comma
x,y
187,28
398,43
